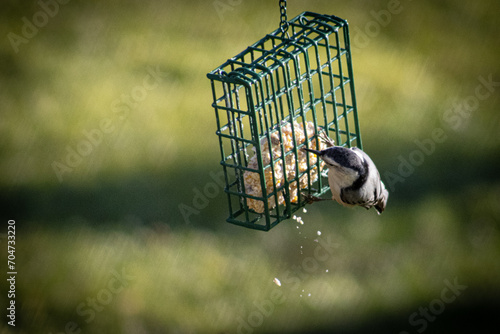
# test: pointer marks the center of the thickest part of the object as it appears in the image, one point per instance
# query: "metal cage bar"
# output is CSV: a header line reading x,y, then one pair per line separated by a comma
x,y
283,84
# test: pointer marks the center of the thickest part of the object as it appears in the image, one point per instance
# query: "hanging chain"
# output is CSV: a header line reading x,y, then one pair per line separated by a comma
x,y
283,19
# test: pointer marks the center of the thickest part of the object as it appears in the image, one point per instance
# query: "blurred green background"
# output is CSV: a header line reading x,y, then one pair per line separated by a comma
x,y
102,245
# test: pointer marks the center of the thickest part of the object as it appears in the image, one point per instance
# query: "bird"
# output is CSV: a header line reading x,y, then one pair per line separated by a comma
x,y
353,177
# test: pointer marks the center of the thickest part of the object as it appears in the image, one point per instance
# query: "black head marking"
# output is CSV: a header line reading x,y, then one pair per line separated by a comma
x,y
347,158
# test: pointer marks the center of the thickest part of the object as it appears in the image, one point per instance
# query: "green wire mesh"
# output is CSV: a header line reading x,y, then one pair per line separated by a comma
x,y
298,82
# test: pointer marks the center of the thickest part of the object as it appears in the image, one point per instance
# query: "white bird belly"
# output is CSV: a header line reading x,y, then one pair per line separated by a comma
x,y
338,178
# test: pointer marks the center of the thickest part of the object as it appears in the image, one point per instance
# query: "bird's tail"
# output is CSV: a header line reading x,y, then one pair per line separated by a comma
x,y
382,203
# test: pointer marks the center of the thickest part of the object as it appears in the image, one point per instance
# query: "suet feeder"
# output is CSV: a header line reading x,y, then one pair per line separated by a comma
x,y
270,100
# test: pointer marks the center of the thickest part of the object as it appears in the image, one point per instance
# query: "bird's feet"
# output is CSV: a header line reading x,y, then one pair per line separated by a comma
x,y
310,199
328,141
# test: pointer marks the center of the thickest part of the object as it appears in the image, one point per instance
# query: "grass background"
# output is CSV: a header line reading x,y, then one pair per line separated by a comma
x,y
117,211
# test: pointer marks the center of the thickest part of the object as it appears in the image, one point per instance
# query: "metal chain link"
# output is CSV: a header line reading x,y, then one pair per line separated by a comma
x,y
283,19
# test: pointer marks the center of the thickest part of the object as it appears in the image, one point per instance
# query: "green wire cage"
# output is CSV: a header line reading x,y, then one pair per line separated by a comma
x,y
270,100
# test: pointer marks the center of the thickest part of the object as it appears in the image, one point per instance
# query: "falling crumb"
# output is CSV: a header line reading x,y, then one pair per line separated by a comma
x,y
277,281
298,219
304,210
308,295
319,232
326,270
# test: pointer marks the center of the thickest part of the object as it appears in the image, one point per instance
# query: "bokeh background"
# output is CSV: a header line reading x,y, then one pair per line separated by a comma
x,y
102,245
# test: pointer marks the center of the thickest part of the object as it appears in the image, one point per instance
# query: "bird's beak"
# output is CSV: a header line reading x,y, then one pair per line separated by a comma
x,y
312,151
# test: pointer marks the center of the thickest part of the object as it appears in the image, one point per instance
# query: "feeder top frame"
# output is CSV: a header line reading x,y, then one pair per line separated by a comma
x,y
303,30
